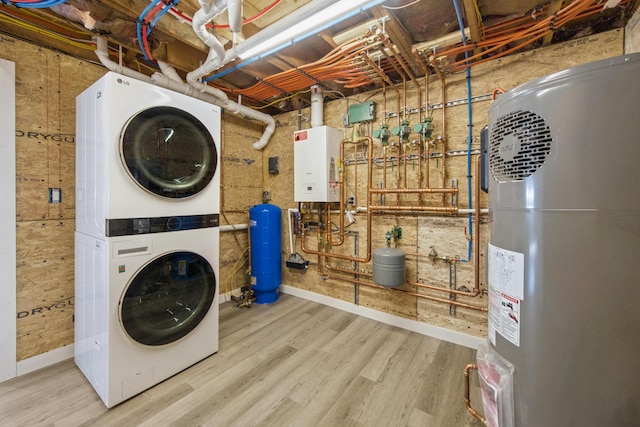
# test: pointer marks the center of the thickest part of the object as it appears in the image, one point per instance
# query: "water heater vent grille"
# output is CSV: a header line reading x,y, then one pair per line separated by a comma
x,y
519,144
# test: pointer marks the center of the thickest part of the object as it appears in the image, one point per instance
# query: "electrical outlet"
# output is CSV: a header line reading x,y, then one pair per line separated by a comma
x,y
55,195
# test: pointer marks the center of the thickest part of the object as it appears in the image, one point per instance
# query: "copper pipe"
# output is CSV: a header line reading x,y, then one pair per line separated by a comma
x,y
425,68
387,42
392,62
415,190
432,209
384,167
367,258
441,289
420,176
467,399
355,173
419,285
341,204
404,159
341,196
427,154
379,71
434,64
384,103
415,294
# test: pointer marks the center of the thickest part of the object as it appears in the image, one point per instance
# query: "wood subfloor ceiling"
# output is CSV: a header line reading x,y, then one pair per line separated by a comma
x,y
292,363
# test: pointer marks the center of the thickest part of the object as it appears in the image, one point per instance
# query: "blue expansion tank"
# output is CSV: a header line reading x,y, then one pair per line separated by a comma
x,y
266,257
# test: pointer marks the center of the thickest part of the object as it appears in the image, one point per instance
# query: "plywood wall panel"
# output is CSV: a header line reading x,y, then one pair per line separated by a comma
x,y
241,164
45,286
448,234
47,84
632,34
233,261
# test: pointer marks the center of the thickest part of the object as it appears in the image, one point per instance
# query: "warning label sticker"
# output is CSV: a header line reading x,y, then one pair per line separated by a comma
x,y
504,317
300,135
506,293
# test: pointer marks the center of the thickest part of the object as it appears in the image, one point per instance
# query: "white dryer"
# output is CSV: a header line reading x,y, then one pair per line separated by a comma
x,y
143,151
146,306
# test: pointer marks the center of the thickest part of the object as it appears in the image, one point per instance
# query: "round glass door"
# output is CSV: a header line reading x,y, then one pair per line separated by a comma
x,y
168,152
168,298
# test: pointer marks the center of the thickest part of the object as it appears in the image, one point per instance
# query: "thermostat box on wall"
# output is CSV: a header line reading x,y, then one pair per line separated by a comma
x,y
316,160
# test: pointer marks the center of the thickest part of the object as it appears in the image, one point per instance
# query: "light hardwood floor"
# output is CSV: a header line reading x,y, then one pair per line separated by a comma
x,y
292,363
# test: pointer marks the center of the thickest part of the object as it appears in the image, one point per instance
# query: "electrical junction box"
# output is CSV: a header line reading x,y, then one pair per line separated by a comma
x,y
316,160
274,168
363,112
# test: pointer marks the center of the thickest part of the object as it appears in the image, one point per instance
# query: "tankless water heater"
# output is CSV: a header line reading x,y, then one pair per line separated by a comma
x,y
316,157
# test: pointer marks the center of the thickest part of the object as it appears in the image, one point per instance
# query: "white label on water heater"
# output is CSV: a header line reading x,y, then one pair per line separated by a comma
x,y
506,292
504,317
506,271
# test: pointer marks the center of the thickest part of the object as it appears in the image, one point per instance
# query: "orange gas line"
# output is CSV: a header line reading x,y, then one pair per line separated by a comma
x,y
534,32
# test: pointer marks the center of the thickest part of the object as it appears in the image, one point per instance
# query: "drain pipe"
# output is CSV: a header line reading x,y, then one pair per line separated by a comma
x,y
216,96
102,52
169,71
171,80
217,55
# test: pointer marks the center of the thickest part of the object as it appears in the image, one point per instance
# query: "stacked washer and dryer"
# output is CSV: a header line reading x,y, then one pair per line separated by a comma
x,y
147,235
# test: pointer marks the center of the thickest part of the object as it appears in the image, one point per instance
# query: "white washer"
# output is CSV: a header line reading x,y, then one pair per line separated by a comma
x,y
143,151
146,307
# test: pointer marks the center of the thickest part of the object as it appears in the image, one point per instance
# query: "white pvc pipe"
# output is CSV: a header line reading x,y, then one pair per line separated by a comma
x,y
233,227
317,106
102,53
289,212
234,12
169,71
206,93
217,55
214,96
472,211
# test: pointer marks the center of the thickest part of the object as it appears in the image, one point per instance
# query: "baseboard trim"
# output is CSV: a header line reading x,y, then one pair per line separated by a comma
x,y
390,319
45,359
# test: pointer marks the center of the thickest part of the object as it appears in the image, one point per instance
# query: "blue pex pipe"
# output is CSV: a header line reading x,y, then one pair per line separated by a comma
x,y
470,127
38,5
139,26
163,11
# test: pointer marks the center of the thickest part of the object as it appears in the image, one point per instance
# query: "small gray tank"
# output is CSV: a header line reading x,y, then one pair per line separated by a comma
x,y
388,267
